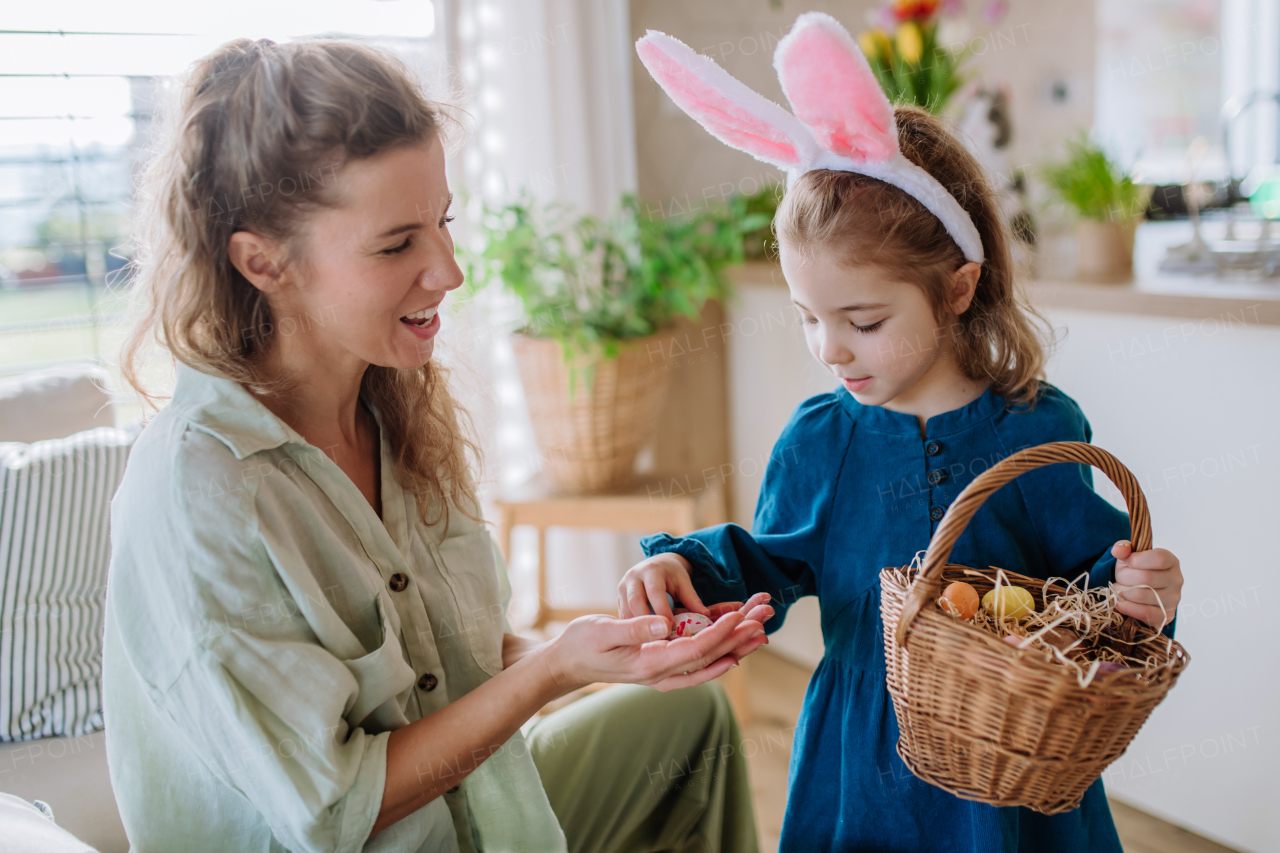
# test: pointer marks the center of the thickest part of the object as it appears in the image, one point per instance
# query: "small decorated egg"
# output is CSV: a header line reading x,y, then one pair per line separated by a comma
x,y
959,599
1060,638
1013,602
688,624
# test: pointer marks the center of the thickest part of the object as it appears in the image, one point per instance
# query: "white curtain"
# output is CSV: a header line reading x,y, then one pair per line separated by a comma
x,y
546,85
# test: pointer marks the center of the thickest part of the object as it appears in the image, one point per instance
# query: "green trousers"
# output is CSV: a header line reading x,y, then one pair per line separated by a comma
x,y
634,770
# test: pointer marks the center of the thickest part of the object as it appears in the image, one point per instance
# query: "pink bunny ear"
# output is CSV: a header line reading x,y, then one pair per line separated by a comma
x,y
727,108
833,91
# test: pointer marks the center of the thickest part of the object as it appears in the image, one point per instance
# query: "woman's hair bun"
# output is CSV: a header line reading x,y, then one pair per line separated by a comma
x,y
234,58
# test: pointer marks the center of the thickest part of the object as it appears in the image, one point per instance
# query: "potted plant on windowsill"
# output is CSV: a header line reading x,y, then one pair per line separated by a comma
x,y
597,295
1108,204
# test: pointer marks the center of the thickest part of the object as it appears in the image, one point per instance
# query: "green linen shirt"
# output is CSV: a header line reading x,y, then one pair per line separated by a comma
x,y
266,631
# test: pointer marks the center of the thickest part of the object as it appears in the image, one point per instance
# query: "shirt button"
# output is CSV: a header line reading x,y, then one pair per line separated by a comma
x,y
428,682
936,513
933,448
398,582
937,475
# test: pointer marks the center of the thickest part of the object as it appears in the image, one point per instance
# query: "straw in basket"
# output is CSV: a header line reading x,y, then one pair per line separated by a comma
x,y
988,722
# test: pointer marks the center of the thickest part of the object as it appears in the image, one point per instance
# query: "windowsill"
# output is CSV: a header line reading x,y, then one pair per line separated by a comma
x,y
1231,303
1152,292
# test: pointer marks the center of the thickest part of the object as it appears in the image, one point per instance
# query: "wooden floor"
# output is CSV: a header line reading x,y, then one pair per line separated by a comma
x,y
776,687
1142,833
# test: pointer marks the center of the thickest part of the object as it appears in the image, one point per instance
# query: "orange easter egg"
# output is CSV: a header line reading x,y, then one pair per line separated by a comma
x,y
960,599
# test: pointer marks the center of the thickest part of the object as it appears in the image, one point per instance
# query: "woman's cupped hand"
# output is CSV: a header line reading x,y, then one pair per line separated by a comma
x,y
636,650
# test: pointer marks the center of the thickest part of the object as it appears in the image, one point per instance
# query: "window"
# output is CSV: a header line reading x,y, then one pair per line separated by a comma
x,y
1166,72
79,85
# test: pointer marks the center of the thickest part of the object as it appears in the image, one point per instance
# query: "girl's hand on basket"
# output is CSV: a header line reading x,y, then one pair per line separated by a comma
x,y
636,651
1140,576
643,589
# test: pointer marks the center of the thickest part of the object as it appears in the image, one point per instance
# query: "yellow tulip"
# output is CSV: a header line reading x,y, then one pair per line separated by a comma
x,y
886,44
867,42
875,44
910,42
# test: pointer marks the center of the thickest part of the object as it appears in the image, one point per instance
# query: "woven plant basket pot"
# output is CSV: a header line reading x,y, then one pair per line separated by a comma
x,y
999,725
589,441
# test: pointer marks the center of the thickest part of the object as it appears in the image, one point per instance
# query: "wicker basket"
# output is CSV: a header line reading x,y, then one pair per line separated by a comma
x,y
989,722
589,441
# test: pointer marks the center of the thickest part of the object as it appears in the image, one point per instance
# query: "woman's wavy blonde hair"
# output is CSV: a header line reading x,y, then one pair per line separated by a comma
x,y
255,128
1000,339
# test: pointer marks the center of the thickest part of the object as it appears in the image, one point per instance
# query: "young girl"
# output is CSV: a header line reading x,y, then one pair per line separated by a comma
x,y
910,302
305,643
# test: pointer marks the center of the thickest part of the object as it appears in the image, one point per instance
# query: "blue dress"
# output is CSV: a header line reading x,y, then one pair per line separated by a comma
x,y
850,489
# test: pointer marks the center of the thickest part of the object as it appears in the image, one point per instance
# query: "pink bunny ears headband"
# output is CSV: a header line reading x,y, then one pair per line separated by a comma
x,y
842,121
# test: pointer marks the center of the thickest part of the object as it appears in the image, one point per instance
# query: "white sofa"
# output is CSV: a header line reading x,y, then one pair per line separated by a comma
x,y
60,458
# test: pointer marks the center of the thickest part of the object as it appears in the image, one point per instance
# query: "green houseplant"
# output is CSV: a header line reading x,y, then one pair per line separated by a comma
x,y
759,209
597,295
1107,203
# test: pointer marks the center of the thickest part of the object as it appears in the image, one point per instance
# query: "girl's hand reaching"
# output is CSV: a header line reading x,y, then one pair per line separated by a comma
x,y
643,589
1136,571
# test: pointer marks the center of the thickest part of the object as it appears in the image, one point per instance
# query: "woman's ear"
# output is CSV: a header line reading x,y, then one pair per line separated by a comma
x,y
258,259
964,282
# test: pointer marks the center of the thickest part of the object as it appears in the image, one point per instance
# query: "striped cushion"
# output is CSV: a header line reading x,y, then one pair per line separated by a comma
x,y
55,498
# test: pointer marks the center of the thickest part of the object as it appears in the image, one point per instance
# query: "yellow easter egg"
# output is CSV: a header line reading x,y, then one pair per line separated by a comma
x,y
1012,603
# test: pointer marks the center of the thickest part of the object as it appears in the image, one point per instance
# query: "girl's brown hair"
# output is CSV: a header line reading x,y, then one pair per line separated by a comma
x,y
1000,338
254,142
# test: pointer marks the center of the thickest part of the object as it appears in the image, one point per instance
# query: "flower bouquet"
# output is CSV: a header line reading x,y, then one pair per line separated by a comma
x,y
913,56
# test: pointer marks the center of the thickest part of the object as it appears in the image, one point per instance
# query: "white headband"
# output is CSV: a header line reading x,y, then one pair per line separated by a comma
x,y
842,121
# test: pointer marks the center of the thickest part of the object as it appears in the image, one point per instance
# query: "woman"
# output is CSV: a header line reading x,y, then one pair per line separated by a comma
x,y
306,646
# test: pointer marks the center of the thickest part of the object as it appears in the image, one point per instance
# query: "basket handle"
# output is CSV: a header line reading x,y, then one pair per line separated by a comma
x,y
929,584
